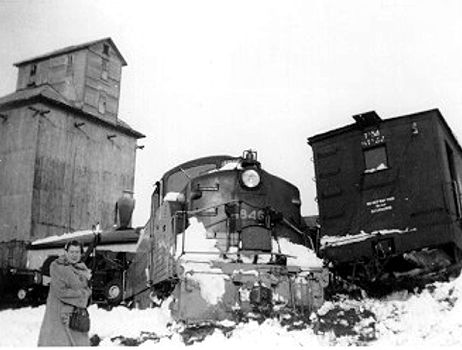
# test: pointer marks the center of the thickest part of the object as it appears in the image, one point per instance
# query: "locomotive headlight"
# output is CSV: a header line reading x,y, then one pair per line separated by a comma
x,y
250,178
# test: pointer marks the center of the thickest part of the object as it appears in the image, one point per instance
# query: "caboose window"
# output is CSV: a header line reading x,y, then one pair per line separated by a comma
x,y
375,159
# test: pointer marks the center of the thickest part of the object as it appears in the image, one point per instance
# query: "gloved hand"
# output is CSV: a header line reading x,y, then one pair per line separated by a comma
x,y
65,316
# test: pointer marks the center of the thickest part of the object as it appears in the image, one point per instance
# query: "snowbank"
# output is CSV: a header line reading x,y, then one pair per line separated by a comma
x,y
20,327
430,318
121,321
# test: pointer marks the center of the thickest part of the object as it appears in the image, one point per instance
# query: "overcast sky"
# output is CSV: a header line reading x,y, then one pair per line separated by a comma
x,y
218,77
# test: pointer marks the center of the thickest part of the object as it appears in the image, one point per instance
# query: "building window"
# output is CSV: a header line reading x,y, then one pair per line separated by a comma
x,y
70,63
33,70
102,104
106,49
375,159
32,75
104,71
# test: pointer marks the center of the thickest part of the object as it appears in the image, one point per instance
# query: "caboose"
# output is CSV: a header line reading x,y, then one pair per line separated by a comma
x,y
388,193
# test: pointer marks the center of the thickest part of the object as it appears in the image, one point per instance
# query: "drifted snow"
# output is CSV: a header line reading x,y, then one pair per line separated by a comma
x,y
211,280
121,321
231,165
195,240
51,239
381,166
192,248
339,240
299,255
431,318
174,197
347,239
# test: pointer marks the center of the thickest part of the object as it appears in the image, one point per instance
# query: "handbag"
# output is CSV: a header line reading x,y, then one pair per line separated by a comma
x,y
79,320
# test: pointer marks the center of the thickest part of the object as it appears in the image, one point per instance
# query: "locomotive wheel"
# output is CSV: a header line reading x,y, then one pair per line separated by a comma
x,y
113,292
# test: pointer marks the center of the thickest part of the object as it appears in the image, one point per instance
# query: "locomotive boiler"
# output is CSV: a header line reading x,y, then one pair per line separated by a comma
x,y
226,237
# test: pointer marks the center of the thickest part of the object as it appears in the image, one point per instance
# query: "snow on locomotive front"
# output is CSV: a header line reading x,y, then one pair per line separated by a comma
x,y
232,241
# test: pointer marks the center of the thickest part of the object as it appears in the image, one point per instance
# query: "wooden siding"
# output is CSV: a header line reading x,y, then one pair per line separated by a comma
x,y
441,140
97,85
66,73
410,193
56,177
79,77
79,174
17,153
13,254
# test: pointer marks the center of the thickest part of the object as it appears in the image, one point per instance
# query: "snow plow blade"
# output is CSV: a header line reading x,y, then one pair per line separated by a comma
x,y
225,290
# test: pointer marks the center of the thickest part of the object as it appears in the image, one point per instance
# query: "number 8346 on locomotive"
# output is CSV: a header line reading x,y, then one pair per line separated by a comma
x,y
226,236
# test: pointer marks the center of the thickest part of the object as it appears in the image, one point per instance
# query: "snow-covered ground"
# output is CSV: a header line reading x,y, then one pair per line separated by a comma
x,y
432,317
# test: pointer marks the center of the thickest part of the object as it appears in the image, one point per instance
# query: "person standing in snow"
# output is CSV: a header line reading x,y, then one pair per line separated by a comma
x,y
68,289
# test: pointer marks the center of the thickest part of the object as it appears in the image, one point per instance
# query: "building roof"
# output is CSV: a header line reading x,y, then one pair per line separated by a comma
x,y
26,94
46,93
72,49
359,126
435,112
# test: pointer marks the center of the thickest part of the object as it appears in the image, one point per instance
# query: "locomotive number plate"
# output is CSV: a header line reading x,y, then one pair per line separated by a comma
x,y
246,214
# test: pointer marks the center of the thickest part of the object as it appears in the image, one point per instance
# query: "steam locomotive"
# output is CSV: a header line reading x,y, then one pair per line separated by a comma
x,y
226,236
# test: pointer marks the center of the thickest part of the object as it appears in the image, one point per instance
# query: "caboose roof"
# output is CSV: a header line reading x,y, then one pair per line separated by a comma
x,y
355,126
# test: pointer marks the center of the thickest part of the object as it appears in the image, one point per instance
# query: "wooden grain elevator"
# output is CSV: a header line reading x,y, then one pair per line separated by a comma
x,y
65,155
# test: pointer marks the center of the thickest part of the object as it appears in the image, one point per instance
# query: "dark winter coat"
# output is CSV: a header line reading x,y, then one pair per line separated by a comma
x,y
68,288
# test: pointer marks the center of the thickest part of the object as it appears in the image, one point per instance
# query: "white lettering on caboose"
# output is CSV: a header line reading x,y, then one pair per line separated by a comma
x,y
380,205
